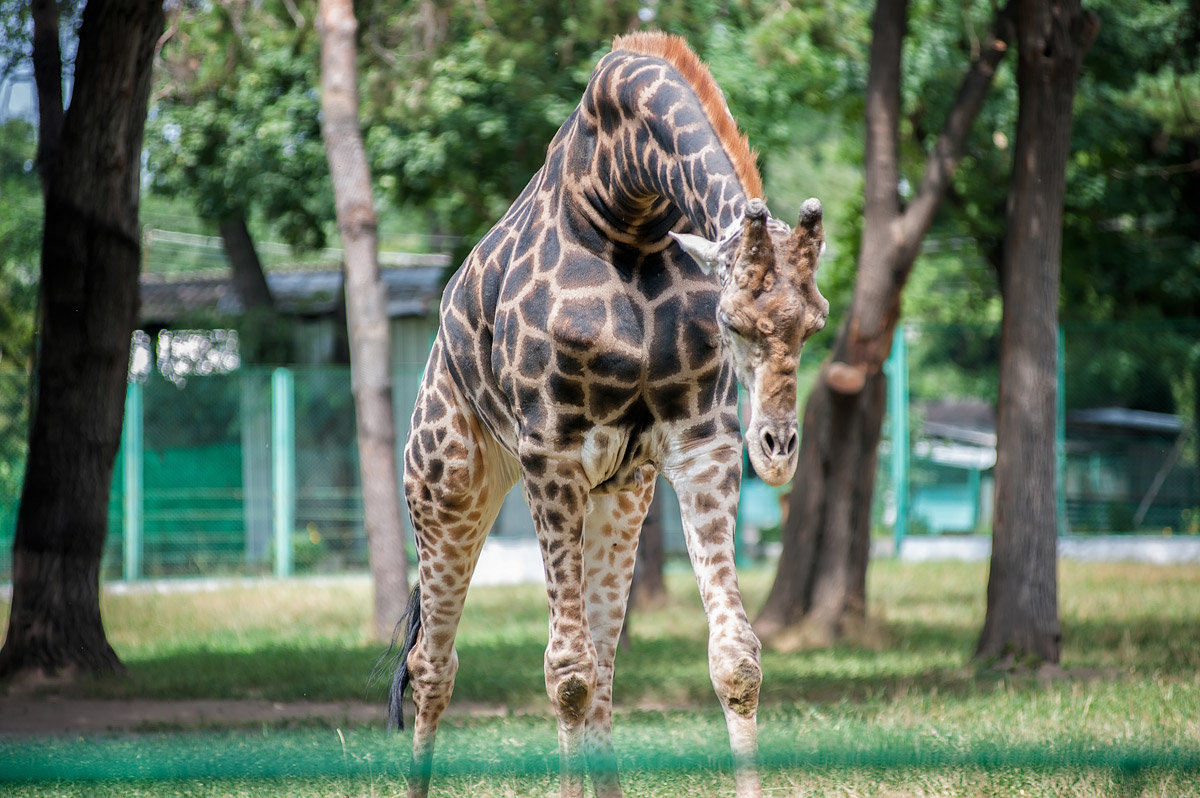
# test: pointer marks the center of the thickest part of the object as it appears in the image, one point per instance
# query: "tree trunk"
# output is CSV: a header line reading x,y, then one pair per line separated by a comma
x,y
248,276
266,335
649,589
1021,627
820,587
366,312
90,262
821,581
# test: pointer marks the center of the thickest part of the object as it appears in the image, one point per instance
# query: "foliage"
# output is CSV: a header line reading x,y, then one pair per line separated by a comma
x,y
1133,216
1130,246
16,35
461,103
461,100
236,122
15,46
20,251
20,243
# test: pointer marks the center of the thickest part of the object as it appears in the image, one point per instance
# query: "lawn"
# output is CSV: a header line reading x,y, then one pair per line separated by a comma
x,y
899,713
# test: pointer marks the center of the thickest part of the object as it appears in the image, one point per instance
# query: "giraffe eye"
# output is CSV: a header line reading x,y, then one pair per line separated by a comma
x,y
731,327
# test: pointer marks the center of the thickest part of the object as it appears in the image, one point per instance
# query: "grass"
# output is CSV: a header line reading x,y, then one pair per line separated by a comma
x,y
900,714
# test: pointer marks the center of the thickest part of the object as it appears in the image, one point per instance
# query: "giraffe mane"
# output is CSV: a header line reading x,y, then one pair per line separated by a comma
x,y
675,51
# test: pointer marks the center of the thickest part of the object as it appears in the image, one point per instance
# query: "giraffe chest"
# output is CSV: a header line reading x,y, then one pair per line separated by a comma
x,y
594,345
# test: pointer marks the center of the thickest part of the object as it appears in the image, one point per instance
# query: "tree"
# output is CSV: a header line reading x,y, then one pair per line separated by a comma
x,y
235,128
366,312
1021,626
236,123
89,157
821,581
20,215
649,588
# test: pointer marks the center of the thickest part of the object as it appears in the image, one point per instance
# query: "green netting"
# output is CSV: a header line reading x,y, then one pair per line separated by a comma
x,y
330,754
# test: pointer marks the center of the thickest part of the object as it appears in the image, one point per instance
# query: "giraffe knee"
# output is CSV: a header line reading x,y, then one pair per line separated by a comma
x,y
738,686
432,677
572,688
574,697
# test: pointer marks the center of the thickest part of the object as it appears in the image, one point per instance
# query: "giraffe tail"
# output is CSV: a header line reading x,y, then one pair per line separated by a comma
x,y
400,683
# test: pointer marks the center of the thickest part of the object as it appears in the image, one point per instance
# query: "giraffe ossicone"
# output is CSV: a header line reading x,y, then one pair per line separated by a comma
x,y
596,336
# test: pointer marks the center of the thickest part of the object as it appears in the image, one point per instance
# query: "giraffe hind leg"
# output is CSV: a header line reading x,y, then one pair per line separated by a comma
x,y
402,678
456,478
610,548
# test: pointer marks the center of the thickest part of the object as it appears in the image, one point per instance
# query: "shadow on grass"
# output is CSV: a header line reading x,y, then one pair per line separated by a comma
x,y
322,672
661,672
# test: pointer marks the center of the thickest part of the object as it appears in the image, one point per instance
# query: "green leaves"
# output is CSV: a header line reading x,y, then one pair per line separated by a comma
x,y
237,123
20,243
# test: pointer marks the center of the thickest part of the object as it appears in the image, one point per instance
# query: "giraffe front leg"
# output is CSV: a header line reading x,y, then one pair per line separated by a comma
x,y
610,550
708,498
557,499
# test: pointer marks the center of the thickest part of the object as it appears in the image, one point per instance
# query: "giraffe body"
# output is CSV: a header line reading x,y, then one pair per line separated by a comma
x,y
585,346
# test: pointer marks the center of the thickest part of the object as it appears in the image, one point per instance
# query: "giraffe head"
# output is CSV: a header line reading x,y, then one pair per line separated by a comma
x,y
768,308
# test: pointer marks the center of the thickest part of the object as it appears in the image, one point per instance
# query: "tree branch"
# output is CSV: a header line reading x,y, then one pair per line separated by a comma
x,y
891,237
951,142
881,148
47,74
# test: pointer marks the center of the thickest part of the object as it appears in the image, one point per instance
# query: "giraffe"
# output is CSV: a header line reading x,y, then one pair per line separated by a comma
x,y
594,338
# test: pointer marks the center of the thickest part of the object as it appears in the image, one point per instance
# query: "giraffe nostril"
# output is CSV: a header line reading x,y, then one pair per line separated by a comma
x,y
774,446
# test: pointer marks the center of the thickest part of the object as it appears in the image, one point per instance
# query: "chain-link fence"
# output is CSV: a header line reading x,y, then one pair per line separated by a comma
x,y
210,475
1128,424
256,471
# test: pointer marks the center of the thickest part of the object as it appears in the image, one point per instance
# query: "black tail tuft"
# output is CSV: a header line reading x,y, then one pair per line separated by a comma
x,y
400,682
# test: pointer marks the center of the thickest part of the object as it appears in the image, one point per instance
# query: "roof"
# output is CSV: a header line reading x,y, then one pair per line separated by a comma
x,y
962,432
411,291
1122,419
968,421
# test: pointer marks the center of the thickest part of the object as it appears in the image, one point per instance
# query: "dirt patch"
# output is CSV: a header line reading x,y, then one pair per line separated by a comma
x,y
33,716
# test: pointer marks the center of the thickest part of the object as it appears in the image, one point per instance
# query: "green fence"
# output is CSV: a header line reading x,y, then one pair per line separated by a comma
x,y
250,472
1128,425
256,471
253,472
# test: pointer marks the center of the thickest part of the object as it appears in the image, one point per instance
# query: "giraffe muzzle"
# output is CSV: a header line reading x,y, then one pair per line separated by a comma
x,y
776,448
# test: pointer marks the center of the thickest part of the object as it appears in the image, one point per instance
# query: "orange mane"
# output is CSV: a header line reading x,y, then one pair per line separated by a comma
x,y
675,51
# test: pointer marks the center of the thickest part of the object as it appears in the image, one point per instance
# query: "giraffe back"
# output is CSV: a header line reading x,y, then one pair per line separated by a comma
x,y
576,312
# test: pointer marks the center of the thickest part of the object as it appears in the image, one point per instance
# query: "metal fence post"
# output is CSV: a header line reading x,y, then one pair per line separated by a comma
x,y
283,466
131,446
897,408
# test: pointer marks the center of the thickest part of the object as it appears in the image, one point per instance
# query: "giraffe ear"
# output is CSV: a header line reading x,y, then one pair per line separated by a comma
x,y
703,251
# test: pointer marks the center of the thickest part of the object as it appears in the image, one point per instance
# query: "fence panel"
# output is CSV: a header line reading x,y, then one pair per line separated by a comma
x,y
949,416
1127,430
1132,397
205,480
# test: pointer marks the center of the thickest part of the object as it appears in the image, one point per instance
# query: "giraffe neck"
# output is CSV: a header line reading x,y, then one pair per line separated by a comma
x,y
642,155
